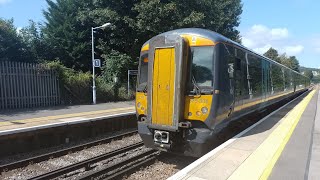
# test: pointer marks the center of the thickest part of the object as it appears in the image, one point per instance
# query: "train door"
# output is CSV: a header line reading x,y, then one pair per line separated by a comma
x,y
167,74
163,86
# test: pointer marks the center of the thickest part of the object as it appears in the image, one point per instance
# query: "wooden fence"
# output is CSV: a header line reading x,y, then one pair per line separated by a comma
x,y
24,85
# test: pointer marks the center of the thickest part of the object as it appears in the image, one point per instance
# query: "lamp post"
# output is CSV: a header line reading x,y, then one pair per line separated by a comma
x,y
94,90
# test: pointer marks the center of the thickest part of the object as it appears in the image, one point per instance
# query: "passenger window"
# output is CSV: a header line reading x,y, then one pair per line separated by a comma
x,y
256,75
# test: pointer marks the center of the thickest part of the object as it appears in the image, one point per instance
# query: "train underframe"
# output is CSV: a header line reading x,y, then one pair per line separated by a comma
x,y
190,142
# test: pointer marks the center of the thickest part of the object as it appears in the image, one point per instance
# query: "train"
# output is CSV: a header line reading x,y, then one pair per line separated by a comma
x,y
193,82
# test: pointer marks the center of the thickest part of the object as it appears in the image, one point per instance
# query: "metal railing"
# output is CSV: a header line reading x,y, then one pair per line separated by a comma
x,y
25,85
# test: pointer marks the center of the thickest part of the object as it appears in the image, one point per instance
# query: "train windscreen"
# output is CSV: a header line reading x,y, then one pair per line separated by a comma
x,y
143,74
202,66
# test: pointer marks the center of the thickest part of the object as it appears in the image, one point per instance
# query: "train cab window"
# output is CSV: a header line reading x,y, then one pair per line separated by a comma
x,y
143,72
202,66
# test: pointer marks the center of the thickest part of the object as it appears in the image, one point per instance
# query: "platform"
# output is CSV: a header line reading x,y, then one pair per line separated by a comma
x,y
27,120
283,145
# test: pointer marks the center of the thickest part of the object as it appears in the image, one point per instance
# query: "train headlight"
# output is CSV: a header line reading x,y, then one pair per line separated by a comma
x,y
139,105
204,110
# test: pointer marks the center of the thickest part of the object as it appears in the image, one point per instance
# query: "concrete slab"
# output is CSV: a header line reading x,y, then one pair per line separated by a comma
x,y
245,147
294,160
314,162
225,164
11,115
31,124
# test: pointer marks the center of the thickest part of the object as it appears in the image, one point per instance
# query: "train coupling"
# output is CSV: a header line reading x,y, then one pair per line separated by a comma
x,y
185,125
161,140
161,137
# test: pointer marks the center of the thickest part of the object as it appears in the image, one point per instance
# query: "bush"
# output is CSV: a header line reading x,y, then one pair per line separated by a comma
x,y
76,86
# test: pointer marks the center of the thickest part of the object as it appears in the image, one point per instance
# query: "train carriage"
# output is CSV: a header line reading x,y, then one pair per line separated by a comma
x,y
192,82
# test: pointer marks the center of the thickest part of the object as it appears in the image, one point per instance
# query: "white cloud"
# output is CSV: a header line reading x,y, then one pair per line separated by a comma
x,y
3,2
279,33
293,50
260,38
263,49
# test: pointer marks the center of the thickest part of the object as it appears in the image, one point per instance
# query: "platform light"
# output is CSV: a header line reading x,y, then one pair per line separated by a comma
x,y
94,90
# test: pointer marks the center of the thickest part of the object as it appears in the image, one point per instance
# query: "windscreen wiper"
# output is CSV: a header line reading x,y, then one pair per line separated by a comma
x,y
145,89
196,87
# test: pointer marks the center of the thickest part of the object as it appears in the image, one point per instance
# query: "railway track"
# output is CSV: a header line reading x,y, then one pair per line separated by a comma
x,y
43,157
125,165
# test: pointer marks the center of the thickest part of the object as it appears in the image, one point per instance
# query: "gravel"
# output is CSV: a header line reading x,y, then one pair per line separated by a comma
x,y
165,166
49,165
14,158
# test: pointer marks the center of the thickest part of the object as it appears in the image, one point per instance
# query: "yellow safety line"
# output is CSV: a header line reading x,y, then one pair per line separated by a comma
x,y
66,116
261,162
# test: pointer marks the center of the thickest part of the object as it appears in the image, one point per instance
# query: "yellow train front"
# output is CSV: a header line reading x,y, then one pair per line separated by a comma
x,y
192,82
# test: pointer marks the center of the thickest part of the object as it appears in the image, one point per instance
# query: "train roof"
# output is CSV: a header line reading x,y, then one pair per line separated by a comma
x,y
215,37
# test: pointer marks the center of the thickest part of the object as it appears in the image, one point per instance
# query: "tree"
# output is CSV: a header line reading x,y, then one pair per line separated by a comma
x,y
66,35
155,16
309,74
272,54
33,38
134,22
12,47
291,62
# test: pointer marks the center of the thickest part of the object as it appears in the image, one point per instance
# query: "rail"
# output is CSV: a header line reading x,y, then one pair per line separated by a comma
x,y
62,152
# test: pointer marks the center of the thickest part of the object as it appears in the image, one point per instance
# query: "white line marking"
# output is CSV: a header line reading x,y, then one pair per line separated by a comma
x,y
82,120
184,172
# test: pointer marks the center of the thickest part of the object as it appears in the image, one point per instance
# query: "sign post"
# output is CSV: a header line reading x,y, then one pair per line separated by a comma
x,y
133,73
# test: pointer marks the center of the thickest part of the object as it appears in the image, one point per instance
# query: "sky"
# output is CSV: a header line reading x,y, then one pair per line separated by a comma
x,y
290,26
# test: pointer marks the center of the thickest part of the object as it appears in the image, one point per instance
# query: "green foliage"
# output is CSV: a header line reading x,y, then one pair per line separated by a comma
x,y
75,84
309,74
116,65
291,61
272,54
68,37
134,22
12,48
157,16
33,38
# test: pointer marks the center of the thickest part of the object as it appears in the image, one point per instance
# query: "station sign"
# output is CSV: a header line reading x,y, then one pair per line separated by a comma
x,y
97,63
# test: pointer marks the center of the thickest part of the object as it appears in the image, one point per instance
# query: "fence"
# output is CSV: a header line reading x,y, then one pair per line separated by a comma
x,y
24,85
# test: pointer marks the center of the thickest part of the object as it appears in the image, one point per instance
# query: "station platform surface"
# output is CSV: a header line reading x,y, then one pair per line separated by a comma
x,y
283,145
16,121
